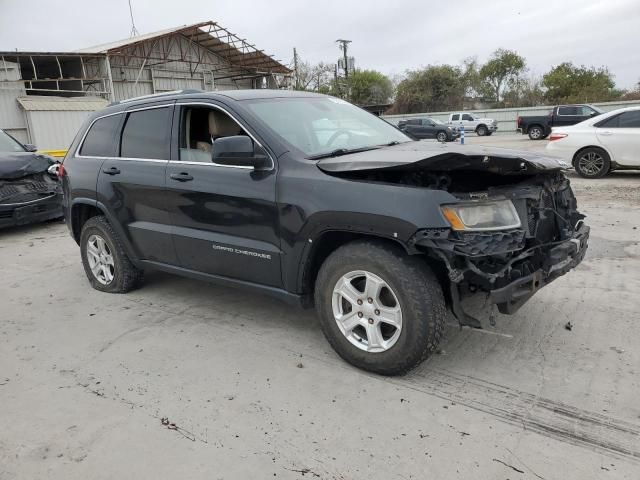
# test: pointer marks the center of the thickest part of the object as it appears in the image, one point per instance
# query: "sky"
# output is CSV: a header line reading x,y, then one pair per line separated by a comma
x,y
389,36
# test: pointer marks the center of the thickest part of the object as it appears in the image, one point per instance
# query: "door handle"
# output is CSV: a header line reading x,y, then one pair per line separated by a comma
x,y
606,133
111,171
181,177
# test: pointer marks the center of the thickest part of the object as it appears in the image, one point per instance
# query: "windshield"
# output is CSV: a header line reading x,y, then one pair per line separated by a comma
x,y
437,122
320,125
8,144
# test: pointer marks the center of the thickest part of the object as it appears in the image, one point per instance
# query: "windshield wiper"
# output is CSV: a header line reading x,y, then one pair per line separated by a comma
x,y
338,152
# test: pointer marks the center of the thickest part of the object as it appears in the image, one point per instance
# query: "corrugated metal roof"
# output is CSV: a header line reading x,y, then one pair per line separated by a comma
x,y
106,47
46,103
210,35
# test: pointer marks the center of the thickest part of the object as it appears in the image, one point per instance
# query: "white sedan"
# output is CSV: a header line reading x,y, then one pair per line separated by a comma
x,y
601,144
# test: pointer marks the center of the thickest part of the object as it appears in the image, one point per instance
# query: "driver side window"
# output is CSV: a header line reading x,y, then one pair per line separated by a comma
x,y
199,127
468,117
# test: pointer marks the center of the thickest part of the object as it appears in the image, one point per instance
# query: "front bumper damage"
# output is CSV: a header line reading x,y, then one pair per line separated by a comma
x,y
31,199
509,267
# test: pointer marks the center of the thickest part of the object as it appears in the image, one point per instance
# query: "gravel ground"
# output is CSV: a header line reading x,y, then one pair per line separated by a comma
x,y
182,379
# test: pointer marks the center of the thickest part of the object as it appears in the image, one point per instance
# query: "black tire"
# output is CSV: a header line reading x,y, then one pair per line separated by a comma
x,y
126,276
482,130
418,293
442,136
489,134
536,132
592,162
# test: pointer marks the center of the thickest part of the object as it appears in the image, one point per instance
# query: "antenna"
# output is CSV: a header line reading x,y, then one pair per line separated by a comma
x,y
134,30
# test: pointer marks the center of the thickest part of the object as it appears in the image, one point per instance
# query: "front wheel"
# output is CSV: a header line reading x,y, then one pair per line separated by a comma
x,y
380,309
592,163
481,131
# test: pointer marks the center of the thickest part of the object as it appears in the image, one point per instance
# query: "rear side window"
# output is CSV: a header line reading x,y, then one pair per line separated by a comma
x,y
100,139
629,119
146,134
623,120
567,110
455,117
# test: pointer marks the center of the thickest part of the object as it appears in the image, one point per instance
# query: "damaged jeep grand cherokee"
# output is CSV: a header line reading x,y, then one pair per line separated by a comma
x,y
315,201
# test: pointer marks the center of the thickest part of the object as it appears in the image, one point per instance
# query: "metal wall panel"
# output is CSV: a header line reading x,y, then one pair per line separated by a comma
x,y
54,130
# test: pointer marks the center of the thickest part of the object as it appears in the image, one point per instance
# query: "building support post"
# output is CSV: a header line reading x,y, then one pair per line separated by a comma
x,y
107,63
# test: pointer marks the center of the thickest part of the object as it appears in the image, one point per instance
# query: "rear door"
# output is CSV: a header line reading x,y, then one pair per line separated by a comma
x,y
620,135
225,218
131,184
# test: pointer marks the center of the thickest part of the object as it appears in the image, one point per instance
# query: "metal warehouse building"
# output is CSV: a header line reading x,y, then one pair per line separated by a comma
x,y
45,96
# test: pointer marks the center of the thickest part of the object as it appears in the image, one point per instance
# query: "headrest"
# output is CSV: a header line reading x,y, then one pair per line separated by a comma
x,y
221,125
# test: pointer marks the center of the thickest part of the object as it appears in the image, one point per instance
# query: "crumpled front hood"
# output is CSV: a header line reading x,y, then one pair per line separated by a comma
x,y
435,156
18,165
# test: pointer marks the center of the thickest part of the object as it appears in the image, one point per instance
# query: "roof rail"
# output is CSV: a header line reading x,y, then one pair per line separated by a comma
x,y
154,95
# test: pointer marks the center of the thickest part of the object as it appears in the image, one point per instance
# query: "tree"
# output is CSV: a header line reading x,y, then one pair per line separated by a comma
x,y
502,69
307,76
524,92
567,83
369,87
431,89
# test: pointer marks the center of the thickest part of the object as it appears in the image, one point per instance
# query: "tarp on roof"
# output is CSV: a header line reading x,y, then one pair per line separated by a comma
x,y
36,103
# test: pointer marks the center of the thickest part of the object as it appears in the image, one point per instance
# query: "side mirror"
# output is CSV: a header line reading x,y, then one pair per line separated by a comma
x,y
239,151
30,148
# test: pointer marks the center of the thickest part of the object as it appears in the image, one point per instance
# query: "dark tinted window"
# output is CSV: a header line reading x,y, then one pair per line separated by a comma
x,y
629,119
466,116
623,120
146,134
100,140
567,110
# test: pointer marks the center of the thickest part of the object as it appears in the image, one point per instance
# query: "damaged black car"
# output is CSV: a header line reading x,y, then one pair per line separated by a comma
x,y
312,200
29,188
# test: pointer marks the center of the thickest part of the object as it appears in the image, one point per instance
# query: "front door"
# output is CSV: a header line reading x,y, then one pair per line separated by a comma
x,y
131,183
225,219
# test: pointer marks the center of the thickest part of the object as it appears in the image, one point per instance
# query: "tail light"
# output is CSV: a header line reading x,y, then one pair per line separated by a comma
x,y
519,121
557,136
61,170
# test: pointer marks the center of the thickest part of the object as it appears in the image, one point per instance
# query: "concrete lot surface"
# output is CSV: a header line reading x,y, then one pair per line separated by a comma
x,y
250,388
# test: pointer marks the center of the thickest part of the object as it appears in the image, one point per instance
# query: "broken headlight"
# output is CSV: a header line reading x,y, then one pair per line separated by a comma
x,y
482,216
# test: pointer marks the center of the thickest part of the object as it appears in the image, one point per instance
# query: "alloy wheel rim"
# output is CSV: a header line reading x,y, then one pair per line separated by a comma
x,y
591,163
442,137
367,311
536,133
100,259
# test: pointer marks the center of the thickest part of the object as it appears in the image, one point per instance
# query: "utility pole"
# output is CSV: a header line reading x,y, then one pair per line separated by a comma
x,y
134,30
295,69
344,45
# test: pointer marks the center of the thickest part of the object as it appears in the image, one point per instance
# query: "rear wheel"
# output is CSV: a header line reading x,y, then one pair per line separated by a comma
x,y
442,136
536,133
380,309
105,262
592,162
481,130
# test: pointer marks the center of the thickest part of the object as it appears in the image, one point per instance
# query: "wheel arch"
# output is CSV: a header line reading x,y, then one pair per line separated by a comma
x,y
482,125
328,242
81,211
582,149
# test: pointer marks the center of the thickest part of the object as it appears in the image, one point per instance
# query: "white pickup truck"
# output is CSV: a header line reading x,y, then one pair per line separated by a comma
x,y
482,126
